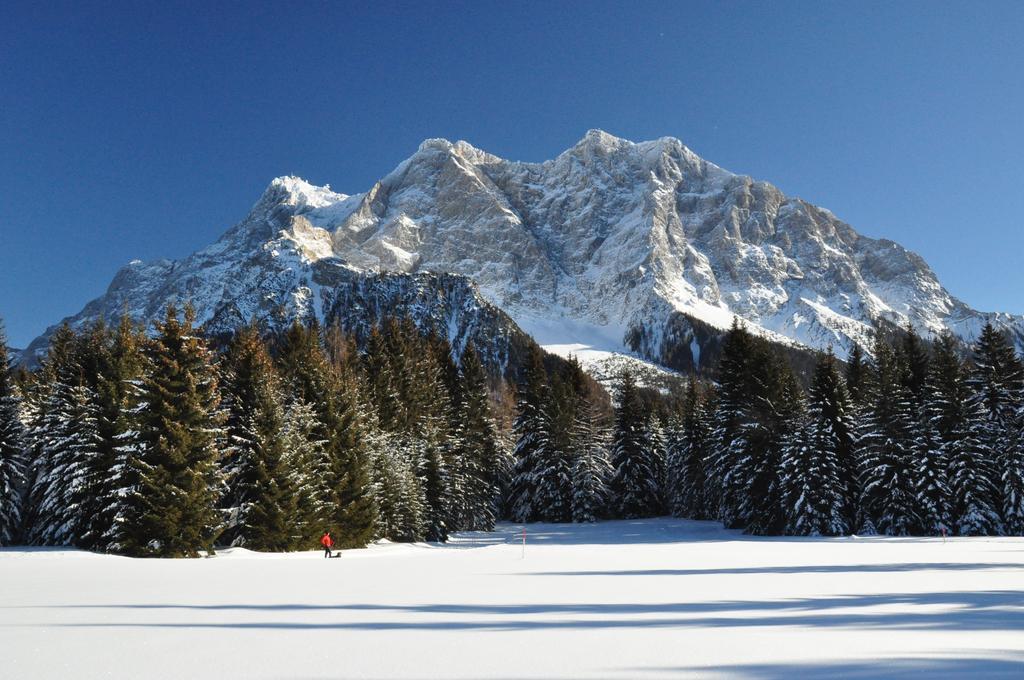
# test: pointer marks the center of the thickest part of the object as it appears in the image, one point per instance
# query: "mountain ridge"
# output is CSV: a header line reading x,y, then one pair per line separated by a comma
x,y
630,246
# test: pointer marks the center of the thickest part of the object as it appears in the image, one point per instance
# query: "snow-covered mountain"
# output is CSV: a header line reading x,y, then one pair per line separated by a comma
x,y
612,247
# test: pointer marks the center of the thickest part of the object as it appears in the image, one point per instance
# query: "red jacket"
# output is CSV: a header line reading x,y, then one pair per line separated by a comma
x,y
326,541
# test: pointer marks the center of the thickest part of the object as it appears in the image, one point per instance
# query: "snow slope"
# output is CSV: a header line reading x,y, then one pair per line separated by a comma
x,y
628,599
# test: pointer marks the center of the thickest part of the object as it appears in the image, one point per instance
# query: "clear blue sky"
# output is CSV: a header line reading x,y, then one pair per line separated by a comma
x,y
144,130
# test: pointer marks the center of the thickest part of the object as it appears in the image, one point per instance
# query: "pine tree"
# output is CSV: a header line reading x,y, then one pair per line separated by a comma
x,y
815,491
65,443
82,475
856,376
886,443
411,512
658,453
634,482
347,500
675,491
591,469
478,442
532,432
436,491
438,464
997,386
259,497
553,489
12,451
838,409
997,380
973,493
385,484
307,461
121,396
734,396
178,473
381,378
927,459
110,363
92,354
915,362
687,452
1011,463
943,408
401,500
753,486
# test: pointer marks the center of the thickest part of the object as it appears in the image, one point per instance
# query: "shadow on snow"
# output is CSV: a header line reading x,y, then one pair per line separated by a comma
x,y
975,610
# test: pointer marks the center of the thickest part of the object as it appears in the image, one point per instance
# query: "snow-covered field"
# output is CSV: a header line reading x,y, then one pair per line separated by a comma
x,y
640,599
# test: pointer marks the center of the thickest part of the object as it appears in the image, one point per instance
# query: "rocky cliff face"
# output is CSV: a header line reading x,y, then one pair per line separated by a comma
x,y
272,269
613,246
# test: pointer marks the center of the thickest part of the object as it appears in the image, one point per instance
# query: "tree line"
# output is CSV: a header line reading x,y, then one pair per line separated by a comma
x,y
162,444
913,440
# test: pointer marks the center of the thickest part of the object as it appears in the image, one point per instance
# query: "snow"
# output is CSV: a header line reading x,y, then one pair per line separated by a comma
x,y
599,349
608,233
628,599
308,195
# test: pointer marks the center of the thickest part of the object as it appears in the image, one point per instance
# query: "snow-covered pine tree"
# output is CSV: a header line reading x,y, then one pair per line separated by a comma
x,y
997,387
83,477
259,499
814,490
66,442
634,483
591,469
974,505
436,489
1011,466
913,356
308,465
401,501
675,466
121,397
42,424
553,487
687,455
439,465
448,429
532,432
657,447
179,426
92,352
926,454
840,411
12,451
857,372
479,444
753,485
347,501
945,407
886,444
734,393
857,375
380,379
967,505
411,513
386,485
997,378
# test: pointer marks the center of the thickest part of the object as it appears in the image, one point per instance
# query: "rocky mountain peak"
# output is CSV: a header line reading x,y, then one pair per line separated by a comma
x,y
612,246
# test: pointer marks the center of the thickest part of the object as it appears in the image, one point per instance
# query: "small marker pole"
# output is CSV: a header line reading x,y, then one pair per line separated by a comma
x,y
524,544
943,534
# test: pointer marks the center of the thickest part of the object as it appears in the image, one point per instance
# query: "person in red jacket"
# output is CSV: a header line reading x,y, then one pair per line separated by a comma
x,y
326,542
